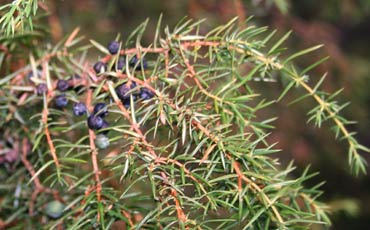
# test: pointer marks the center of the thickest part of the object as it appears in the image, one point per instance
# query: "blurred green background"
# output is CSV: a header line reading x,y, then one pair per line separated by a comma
x,y
342,25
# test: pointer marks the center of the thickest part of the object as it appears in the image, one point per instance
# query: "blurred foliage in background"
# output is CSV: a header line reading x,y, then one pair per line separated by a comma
x,y
342,26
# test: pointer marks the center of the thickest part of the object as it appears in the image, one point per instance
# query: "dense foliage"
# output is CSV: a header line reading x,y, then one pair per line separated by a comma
x,y
161,136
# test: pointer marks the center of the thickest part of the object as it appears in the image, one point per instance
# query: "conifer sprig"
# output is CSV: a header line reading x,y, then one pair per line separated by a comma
x,y
183,146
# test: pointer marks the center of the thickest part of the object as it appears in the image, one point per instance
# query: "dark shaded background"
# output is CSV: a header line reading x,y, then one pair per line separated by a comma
x,y
342,25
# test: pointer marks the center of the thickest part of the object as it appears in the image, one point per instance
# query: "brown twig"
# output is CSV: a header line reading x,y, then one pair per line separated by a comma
x,y
166,160
193,75
4,49
39,188
28,165
53,153
256,188
180,212
129,218
94,152
166,62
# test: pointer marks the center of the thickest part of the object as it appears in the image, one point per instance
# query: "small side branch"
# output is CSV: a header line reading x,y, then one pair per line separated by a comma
x,y
94,152
53,153
193,75
39,188
256,188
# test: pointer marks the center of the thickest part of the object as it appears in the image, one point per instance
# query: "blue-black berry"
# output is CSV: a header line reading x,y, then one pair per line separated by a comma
x,y
101,110
146,93
95,122
120,63
138,63
127,102
62,85
123,89
30,75
41,89
100,67
61,101
79,109
104,126
113,47
76,76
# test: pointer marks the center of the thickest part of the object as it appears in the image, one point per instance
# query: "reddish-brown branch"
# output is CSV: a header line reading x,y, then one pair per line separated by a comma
x,y
129,218
94,151
32,201
193,76
48,137
4,49
240,174
71,37
132,147
143,50
39,188
166,160
168,102
240,185
256,188
166,63
207,152
200,43
205,131
88,191
180,213
28,165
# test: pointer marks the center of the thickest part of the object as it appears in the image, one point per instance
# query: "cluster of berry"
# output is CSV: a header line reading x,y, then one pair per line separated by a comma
x,y
95,121
124,91
61,100
113,48
62,85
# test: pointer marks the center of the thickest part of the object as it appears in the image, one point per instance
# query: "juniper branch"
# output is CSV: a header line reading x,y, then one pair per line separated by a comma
x,y
187,148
